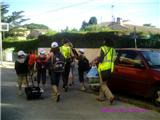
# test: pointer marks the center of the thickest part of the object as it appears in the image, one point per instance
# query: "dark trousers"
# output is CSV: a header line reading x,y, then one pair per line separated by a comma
x,y
41,75
55,78
106,75
65,74
81,75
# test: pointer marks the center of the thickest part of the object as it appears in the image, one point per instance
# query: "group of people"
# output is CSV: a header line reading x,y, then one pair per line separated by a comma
x,y
60,63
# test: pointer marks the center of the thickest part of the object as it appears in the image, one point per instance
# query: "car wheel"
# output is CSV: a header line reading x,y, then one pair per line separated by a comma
x,y
156,96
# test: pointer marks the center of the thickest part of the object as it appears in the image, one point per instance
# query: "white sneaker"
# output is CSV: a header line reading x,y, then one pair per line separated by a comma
x,y
41,90
83,88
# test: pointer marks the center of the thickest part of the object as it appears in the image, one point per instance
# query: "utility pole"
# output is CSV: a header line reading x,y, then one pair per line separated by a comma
x,y
135,37
1,38
3,27
112,16
112,7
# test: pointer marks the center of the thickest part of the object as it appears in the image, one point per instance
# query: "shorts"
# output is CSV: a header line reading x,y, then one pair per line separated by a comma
x,y
22,79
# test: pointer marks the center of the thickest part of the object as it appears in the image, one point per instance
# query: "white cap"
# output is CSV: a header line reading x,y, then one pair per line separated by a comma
x,y
21,52
42,51
81,50
54,44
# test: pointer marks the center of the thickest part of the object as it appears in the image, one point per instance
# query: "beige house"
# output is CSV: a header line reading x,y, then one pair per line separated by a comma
x,y
36,32
22,33
119,25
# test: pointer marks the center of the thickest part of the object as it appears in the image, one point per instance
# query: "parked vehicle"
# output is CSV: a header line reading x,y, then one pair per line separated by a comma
x,y
137,71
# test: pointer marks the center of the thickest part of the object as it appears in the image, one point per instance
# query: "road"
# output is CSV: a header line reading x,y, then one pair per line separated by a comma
x,y
74,105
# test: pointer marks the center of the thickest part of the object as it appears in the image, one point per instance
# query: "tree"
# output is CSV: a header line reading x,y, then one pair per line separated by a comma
x,y
4,10
32,26
92,21
84,25
15,21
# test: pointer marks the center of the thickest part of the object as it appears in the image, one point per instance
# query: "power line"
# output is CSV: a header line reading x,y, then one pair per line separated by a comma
x,y
64,7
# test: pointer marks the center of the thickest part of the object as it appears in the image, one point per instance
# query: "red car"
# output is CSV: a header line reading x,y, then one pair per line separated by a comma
x,y
137,71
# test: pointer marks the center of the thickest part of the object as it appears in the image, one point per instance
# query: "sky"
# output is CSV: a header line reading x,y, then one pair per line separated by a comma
x,y
58,14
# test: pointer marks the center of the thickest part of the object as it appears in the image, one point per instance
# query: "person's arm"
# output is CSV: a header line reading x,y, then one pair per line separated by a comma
x,y
114,54
101,57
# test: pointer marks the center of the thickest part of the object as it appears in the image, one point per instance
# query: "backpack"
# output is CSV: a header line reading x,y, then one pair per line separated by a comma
x,y
84,64
58,62
41,63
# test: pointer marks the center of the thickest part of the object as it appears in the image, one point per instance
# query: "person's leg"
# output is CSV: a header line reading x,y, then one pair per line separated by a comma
x,y
55,77
43,78
106,76
53,83
38,77
19,81
66,75
58,75
81,79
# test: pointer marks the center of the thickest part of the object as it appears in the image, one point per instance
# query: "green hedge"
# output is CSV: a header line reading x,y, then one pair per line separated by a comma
x,y
84,40
22,45
94,40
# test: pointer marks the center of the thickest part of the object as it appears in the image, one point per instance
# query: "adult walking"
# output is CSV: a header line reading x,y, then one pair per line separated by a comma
x,y
105,62
66,50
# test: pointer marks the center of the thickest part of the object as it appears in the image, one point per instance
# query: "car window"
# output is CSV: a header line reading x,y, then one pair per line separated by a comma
x,y
128,58
153,58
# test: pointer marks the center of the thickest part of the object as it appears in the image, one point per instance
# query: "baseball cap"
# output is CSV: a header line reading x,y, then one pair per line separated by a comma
x,y
21,53
81,50
42,51
54,44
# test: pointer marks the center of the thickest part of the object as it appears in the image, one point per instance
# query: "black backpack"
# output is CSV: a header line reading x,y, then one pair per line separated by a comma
x,y
84,64
58,62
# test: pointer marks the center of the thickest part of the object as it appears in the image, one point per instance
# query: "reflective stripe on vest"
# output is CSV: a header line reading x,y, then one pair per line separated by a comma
x,y
107,61
66,51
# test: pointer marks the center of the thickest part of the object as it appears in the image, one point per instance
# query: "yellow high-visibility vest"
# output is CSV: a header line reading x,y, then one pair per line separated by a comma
x,y
108,61
66,51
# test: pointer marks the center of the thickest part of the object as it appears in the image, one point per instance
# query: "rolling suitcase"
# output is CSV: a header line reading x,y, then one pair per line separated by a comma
x,y
33,92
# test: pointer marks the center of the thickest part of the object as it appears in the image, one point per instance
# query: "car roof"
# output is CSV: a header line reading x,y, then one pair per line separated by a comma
x,y
137,49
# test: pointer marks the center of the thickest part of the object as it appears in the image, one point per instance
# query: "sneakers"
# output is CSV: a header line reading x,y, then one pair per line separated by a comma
x,y
83,88
112,100
100,100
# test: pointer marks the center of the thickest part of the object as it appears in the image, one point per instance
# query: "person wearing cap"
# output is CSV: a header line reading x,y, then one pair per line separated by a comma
x,y
66,50
83,66
21,68
105,62
40,67
55,57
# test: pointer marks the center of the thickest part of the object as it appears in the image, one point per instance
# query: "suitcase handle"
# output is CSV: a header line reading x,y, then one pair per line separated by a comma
x,y
31,78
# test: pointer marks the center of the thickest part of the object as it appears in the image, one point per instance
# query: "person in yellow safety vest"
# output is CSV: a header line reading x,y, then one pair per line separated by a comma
x,y
105,68
66,50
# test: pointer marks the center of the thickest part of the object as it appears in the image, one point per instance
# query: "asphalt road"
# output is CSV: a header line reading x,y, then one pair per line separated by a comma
x,y
74,105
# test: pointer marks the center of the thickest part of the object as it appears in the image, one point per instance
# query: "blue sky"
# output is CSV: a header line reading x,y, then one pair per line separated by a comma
x,y
57,14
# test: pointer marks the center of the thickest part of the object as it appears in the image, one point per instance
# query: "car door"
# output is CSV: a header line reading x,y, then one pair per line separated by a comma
x,y
130,73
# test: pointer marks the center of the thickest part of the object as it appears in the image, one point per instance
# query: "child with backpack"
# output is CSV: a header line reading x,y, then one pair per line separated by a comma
x,y
41,66
83,66
57,64
21,67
